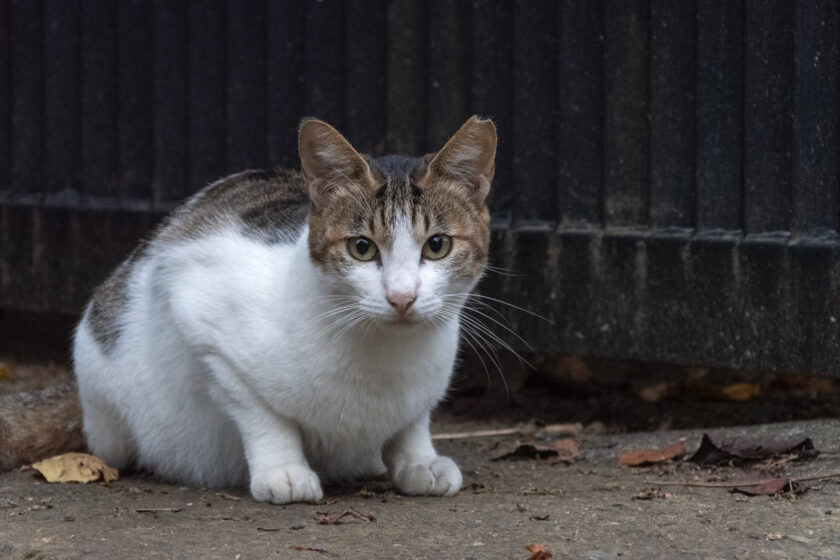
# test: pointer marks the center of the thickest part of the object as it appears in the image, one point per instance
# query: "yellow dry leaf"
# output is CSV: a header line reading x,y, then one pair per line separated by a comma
x,y
656,392
5,371
742,391
75,467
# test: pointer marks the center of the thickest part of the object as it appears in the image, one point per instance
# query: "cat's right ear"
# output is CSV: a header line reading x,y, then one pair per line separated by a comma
x,y
328,161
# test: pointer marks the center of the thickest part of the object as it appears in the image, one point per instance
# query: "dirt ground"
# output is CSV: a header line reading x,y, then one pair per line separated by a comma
x,y
589,508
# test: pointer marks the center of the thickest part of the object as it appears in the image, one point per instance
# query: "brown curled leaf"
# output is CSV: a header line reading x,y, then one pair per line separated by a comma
x,y
739,450
651,456
538,552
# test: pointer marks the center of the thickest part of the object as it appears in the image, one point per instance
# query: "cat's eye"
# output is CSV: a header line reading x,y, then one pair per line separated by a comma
x,y
361,248
437,247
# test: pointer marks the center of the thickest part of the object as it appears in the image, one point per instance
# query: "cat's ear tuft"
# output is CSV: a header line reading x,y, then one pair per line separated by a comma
x,y
327,160
469,156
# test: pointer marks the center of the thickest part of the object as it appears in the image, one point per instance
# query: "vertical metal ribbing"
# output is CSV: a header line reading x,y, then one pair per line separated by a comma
x,y
207,61
768,120
673,74
626,109
816,118
580,141
366,38
720,110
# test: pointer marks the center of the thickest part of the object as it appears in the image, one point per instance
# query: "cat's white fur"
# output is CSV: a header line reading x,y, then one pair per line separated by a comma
x,y
232,366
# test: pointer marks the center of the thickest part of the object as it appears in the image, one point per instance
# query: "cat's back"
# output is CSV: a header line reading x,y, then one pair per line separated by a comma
x,y
262,207
265,206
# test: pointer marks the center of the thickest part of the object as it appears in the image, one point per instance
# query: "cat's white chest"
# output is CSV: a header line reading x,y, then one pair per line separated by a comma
x,y
360,390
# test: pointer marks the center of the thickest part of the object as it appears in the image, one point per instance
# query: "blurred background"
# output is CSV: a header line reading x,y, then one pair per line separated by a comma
x,y
667,174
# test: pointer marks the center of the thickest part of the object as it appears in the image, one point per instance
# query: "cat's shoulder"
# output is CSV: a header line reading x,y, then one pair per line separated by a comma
x,y
270,206
267,207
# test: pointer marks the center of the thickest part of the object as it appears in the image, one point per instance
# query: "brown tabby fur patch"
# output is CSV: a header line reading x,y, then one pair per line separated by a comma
x,y
441,205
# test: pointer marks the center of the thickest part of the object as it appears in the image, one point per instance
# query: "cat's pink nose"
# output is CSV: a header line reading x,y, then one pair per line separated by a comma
x,y
401,301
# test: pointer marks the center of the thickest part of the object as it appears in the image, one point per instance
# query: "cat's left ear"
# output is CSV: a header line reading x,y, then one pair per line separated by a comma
x,y
468,157
328,161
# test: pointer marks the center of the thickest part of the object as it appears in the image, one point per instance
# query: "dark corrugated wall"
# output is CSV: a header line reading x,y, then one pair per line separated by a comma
x,y
667,183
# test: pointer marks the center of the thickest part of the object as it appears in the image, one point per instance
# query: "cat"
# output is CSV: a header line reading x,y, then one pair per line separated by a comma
x,y
284,328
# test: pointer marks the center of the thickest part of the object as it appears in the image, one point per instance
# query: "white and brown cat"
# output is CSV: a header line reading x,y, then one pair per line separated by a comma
x,y
283,328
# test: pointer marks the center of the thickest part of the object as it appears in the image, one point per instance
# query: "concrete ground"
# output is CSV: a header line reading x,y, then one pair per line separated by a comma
x,y
588,509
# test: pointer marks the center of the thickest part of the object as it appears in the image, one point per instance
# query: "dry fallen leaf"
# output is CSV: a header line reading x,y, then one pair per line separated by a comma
x,y
801,385
567,450
574,368
75,467
739,451
539,552
5,371
650,456
562,450
656,392
767,487
757,483
741,391
518,451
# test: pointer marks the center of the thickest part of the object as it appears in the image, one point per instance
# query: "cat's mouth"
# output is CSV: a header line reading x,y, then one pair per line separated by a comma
x,y
402,321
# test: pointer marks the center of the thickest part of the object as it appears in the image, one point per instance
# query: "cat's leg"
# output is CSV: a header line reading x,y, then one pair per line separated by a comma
x,y
274,449
278,469
106,432
415,467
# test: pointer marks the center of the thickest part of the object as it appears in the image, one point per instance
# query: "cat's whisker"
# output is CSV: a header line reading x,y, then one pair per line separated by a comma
x,y
480,359
349,323
489,308
495,338
472,333
508,329
336,297
370,324
342,320
488,348
502,271
522,309
336,311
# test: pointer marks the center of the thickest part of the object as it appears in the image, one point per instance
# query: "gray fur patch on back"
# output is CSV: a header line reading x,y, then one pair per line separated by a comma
x,y
269,206
108,304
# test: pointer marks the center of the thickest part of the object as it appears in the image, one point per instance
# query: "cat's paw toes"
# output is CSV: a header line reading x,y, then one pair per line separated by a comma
x,y
285,484
439,476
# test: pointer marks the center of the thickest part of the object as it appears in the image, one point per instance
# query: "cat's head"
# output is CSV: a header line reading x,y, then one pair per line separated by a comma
x,y
400,239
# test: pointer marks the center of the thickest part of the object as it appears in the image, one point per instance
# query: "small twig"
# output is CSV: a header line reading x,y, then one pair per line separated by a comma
x,y
478,434
325,518
742,483
319,550
572,429
158,510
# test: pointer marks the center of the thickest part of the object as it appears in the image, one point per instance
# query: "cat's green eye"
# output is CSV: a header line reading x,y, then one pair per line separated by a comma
x,y
361,248
437,247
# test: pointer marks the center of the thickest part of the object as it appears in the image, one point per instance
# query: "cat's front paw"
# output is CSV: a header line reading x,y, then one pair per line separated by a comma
x,y
438,476
284,484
